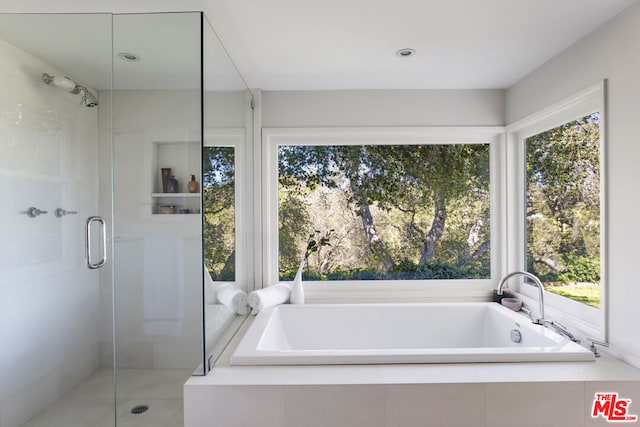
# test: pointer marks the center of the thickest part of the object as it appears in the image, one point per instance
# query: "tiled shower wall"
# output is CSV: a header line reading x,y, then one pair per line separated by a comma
x,y
48,160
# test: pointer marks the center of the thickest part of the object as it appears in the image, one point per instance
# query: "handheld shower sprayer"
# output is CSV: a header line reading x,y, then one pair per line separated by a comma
x,y
67,84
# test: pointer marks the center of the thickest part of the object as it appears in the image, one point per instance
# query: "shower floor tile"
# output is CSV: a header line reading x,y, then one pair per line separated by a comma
x,y
67,412
90,404
160,413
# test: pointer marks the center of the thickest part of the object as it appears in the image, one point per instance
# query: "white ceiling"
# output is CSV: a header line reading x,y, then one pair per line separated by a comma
x,y
350,44
86,48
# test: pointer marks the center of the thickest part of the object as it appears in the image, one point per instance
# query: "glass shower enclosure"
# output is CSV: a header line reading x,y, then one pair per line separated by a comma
x,y
103,120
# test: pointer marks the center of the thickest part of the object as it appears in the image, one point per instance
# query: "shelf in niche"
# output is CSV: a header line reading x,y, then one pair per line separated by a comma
x,y
175,194
184,159
177,214
180,200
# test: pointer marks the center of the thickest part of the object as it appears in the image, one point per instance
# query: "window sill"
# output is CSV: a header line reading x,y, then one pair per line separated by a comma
x,y
581,320
398,291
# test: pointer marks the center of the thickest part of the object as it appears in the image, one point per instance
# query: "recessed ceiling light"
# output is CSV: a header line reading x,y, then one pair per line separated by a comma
x,y
405,53
128,56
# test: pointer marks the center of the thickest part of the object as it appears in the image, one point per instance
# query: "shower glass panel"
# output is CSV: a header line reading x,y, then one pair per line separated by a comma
x,y
157,139
226,201
55,312
102,123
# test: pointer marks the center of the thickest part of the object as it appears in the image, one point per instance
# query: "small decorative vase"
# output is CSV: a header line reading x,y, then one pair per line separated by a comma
x,y
172,185
193,186
166,174
297,291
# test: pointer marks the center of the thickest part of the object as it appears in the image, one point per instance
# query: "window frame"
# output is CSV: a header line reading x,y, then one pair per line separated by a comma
x,y
587,320
384,290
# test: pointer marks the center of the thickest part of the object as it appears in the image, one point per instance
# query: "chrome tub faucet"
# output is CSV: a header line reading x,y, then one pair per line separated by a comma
x,y
538,283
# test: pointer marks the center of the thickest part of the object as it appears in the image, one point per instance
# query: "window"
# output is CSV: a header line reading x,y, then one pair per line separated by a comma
x,y
555,225
223,206
218,219
393,205
394,212
563,208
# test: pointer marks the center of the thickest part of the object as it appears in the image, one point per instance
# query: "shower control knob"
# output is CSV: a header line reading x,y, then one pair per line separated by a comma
x,y
61,212
33,212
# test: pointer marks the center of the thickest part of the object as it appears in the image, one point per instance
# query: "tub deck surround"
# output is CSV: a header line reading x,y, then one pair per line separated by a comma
x,y
330,334
463,394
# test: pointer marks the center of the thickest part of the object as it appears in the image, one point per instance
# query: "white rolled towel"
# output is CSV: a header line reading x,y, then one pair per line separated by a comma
x,y
268,297
233,298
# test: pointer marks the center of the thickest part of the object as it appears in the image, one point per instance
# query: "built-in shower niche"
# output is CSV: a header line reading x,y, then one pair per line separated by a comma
x,y
183,157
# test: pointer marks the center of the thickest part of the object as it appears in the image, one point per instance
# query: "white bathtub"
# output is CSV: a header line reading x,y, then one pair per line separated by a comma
x,y
326,334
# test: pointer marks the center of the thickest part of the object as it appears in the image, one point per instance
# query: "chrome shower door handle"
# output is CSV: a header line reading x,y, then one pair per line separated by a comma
x,y
88,239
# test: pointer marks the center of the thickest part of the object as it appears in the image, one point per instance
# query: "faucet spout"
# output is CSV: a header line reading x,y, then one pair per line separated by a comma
x,y
561,329
536,281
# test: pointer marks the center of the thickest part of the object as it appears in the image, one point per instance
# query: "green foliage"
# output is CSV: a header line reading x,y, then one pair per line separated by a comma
x,y
564,162
405,270
293,224
225,275
581,269
587,294
438,269
563,202
218,193
405,266
380,200
316,241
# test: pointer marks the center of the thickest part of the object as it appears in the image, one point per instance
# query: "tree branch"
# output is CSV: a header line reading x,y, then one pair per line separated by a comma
x,y
479,251
550,263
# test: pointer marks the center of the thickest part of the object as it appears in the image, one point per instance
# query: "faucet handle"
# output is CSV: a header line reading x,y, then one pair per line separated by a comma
x,y
59,213
534,320
593,347
33,212
528,313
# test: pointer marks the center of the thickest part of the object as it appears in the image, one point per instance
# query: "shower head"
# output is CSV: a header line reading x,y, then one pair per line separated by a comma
x,y
68,84
88,98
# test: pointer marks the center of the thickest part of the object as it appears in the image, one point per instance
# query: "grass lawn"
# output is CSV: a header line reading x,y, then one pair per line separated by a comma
x,y
588,294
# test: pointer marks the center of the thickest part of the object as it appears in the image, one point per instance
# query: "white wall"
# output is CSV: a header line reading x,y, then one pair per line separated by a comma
x,y
611,52
226,109
48,298
383,108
